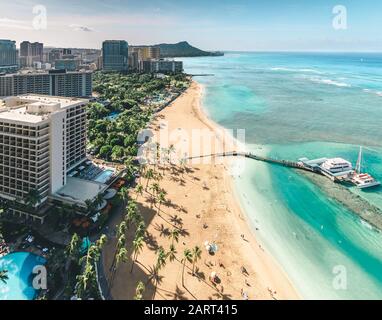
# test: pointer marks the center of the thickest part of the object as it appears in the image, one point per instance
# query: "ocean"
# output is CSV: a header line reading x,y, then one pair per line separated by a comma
x,y
313,105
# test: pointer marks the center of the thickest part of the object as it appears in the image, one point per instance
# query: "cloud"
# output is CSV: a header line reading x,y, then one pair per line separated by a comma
x,y
78,27
15,24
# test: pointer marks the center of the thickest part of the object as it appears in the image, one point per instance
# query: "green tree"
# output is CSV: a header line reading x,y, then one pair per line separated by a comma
x,y
137,248
149,175
124,194
4,276
73,250
196,255
174,235
161,259
161,198
139,190
33,198
140,289
187,257
86,286
172,253
117,153
105,152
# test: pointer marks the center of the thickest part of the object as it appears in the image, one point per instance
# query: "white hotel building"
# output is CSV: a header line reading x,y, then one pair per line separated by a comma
x,y
41,139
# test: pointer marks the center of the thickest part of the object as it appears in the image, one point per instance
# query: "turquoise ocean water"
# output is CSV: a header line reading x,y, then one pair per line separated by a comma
x,y
295,105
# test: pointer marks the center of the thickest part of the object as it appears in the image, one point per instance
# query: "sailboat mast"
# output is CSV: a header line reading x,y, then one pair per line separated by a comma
x,y
359,161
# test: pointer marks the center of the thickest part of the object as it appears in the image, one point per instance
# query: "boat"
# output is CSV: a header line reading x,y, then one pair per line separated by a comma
x,y
336,165
363,180
337,169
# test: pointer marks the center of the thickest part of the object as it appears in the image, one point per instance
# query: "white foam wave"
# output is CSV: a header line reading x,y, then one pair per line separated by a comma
x,y
296,70
330,82
378,93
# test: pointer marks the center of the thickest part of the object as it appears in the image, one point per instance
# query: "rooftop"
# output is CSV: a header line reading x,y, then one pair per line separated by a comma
x,y
79,190
337,161
37,72
34,108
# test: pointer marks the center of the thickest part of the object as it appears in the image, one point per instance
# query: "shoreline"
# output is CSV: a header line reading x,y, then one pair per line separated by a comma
x,y
242,218
201,203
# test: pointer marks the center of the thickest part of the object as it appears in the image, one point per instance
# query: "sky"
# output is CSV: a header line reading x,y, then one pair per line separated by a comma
x,y
242,25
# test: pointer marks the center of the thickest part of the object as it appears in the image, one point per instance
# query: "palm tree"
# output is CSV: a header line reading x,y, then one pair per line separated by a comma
x,y
4,276
160,263
139,291
174,235
149,175
155,187
73,248
139,190
101,242
87,280
121,229
171,150
4,205
132,212
121,256
90,206
68,211
130,168
161,198
121,242
84,280
182,164
157,154
161,260
124,193
172,253
141,228
33,198
187,256
137,248
142,172
196,255
98,201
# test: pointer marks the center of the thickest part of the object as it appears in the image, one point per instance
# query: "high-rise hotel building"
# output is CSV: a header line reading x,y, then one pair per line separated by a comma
x,y
115,55
54,83
31,52
8,56
41,139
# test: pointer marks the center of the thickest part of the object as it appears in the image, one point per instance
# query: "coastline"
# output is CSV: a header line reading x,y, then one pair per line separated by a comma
x,y
201,199
241,218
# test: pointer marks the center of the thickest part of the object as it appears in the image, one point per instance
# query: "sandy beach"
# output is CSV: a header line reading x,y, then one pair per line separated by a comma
x,y
201,203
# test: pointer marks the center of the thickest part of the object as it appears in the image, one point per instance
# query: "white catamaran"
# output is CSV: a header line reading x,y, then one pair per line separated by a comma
x,y
363,180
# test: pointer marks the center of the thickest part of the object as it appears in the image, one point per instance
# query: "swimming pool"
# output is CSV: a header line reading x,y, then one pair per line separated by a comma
x,y
112,116
20,271
104,176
